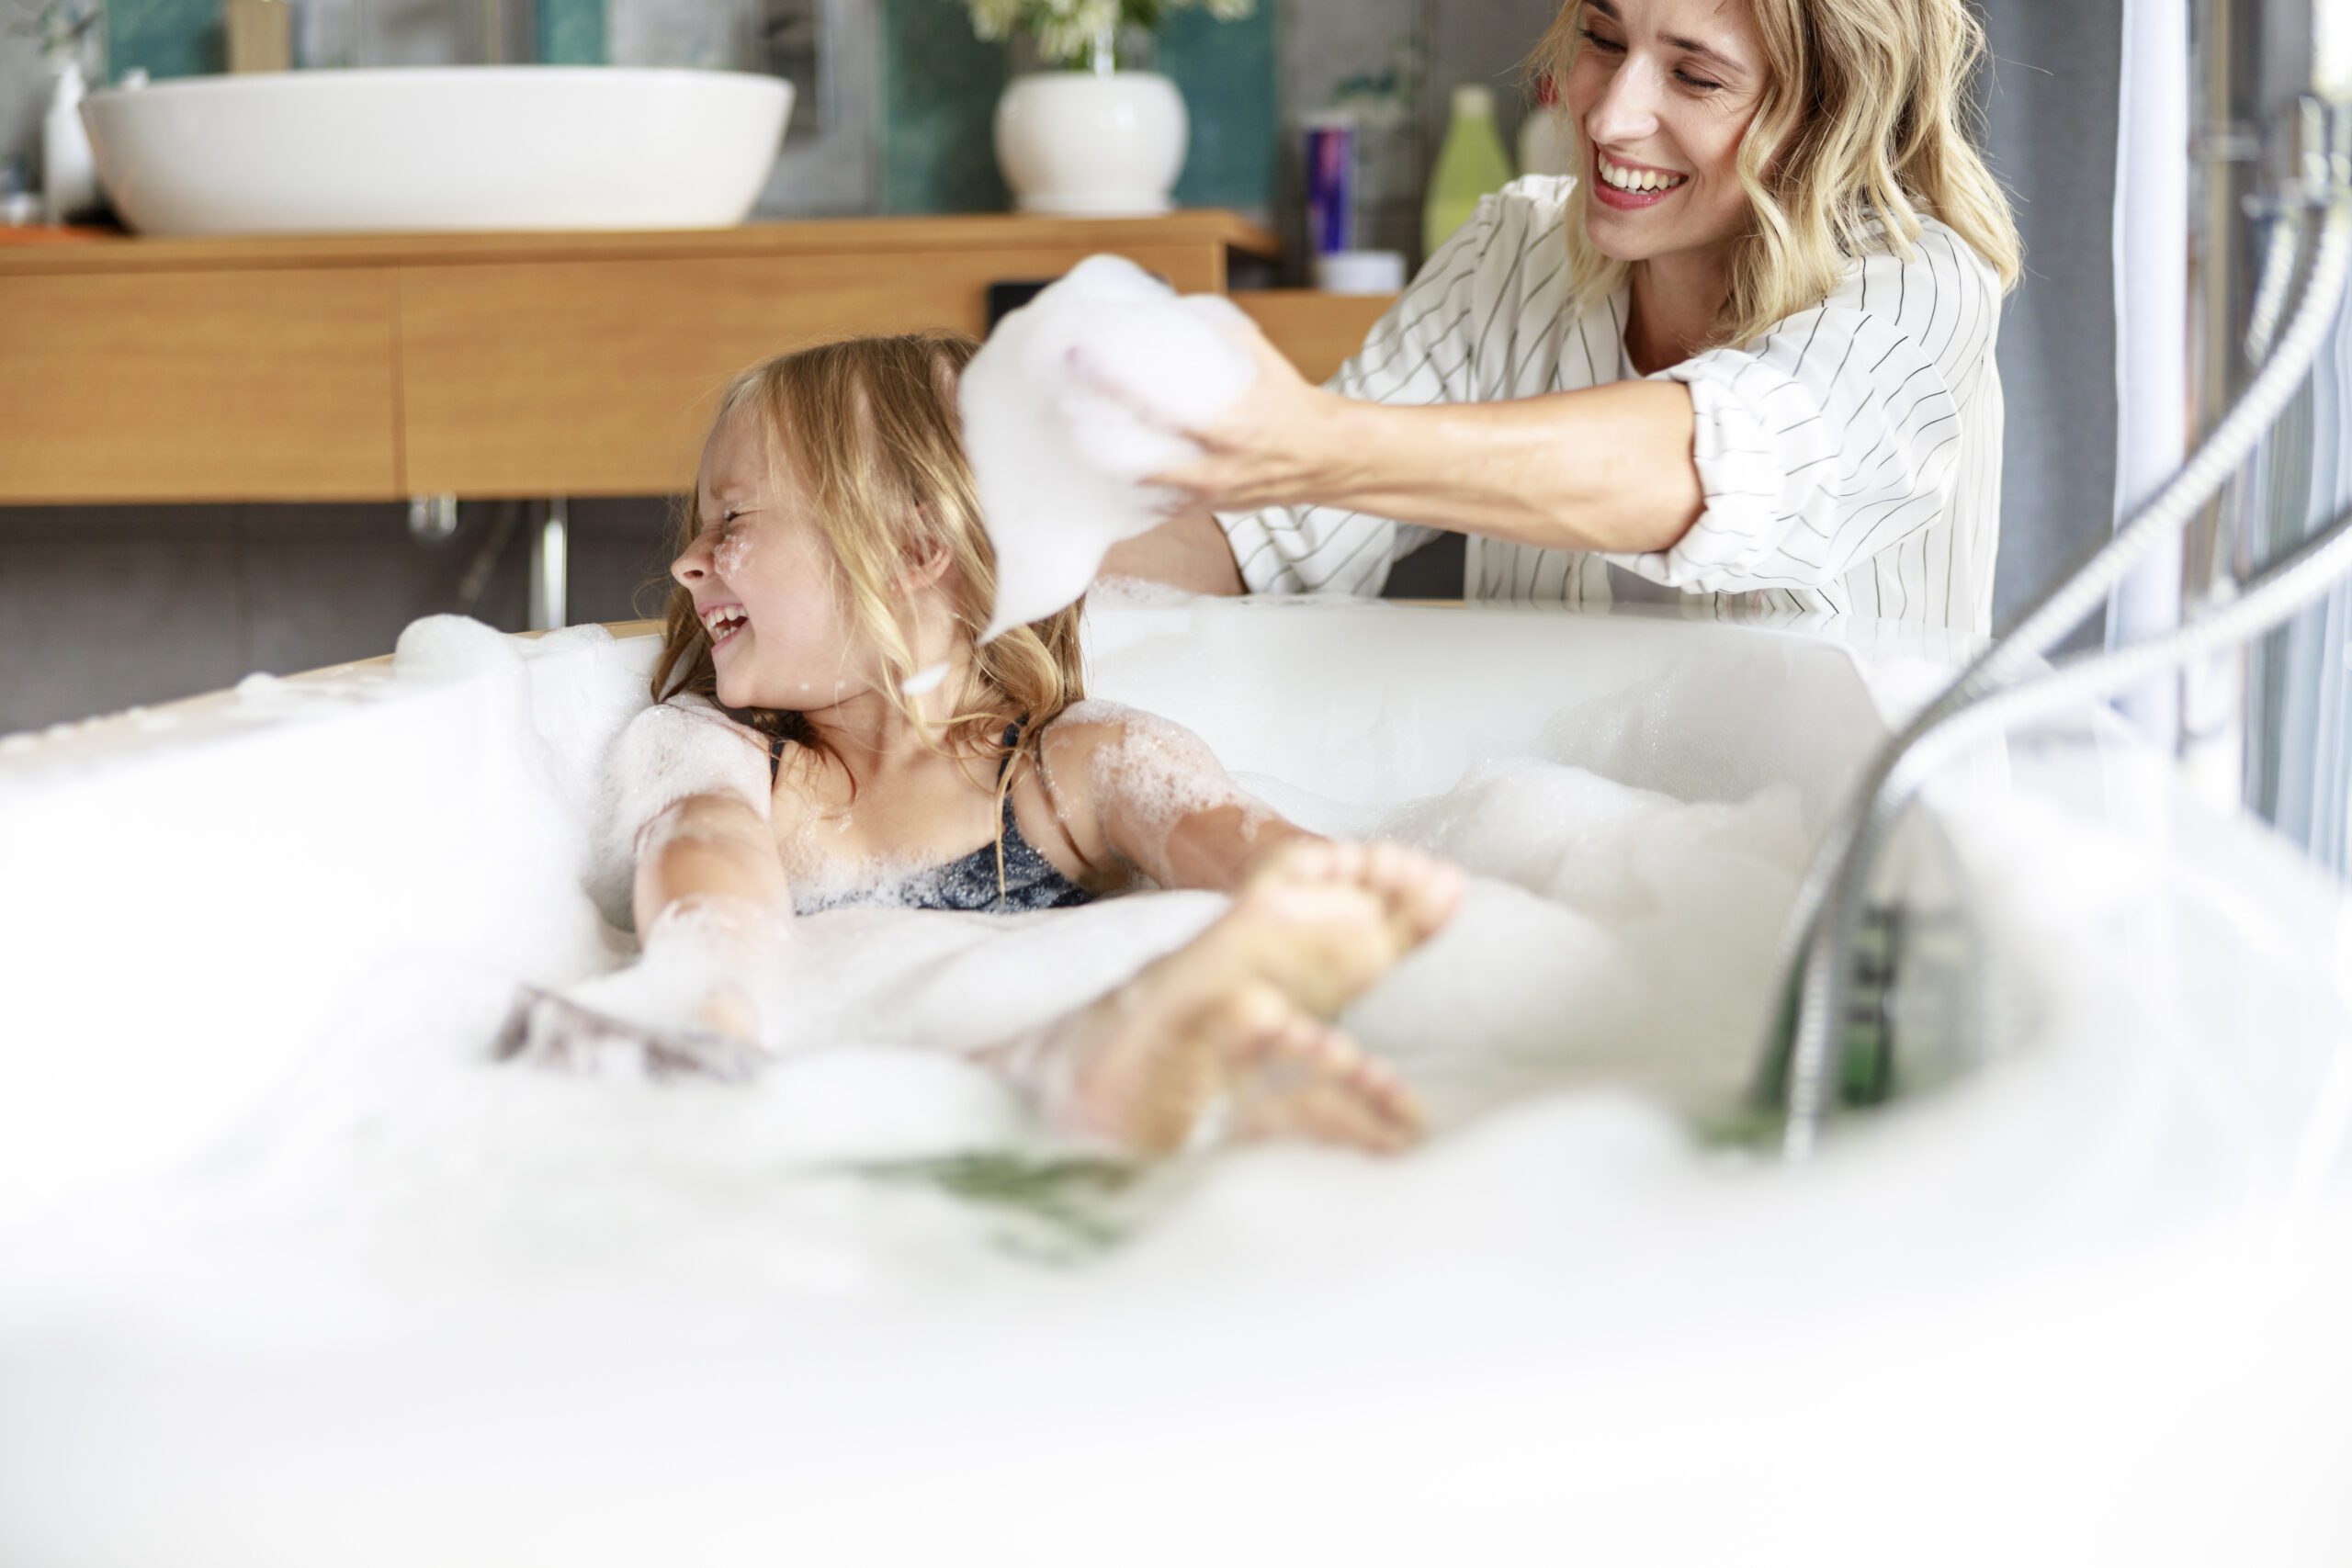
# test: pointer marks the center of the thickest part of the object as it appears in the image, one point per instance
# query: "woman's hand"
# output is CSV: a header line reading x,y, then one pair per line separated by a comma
x,y
1279,442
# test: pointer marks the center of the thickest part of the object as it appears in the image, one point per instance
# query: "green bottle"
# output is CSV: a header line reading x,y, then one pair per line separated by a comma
x,y
1471,164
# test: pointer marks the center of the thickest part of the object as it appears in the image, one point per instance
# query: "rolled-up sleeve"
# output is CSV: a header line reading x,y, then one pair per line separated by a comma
x,y
1838,435
1417,354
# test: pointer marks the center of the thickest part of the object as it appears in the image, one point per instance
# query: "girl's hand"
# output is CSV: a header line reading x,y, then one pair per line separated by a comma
x,y
621,1025
698,1002
1278,442
728,1009
733,948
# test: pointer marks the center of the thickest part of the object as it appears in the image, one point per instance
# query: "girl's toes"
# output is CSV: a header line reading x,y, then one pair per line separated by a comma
x,y
1291,1053
1301,860
1395,1101
1254,1024
1388,867
1347,861
1422,890
1437,895
1355,1097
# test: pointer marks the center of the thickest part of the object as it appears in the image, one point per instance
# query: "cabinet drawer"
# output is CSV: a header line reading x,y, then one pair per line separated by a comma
x,y
599,377
197,386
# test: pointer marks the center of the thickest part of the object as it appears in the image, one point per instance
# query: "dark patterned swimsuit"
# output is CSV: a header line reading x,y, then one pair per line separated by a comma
x,y
1030,880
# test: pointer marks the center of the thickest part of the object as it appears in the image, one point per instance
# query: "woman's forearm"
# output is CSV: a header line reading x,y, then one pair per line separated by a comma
x,y
1188,552
1608,469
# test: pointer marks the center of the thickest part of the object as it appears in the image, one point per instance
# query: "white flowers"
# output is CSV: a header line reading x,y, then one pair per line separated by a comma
x,y
1070,30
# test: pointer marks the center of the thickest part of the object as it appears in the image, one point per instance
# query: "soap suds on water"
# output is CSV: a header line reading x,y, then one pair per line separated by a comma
x,y
1075,400
261,692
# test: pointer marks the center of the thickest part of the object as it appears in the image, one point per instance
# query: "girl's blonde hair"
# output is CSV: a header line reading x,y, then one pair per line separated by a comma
x,y
1864,127
868,430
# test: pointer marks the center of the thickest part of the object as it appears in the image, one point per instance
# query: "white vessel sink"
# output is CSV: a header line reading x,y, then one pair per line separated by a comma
x,y
439,149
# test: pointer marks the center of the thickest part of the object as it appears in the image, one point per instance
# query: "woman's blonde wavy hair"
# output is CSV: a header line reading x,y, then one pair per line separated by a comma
x,y
1864,127
867,428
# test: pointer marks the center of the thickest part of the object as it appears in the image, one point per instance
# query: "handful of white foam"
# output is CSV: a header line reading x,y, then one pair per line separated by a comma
x,y
1076,400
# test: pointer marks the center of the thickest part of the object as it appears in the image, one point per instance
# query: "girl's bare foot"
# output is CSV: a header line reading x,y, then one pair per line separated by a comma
x,y
1347,912
1239,1017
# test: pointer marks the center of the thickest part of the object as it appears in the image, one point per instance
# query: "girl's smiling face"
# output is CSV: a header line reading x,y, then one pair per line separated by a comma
x,y
1662,92
763,583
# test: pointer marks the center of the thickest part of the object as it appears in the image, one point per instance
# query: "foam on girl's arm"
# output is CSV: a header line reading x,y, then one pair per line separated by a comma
x,y
708,850
1166,804
674,752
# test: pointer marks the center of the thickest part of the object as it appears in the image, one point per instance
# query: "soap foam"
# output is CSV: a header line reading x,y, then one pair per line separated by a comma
x,y
599,1319
1075,400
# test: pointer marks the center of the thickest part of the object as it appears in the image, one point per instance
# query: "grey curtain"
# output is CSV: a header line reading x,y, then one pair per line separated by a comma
x,y
2051,102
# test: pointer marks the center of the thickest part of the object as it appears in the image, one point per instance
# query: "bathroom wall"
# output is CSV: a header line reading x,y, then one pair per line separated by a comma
x,y
102,607
896,100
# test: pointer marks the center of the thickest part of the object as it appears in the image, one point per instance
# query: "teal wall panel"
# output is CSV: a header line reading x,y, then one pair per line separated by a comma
x,y
184,38
570,32
164,38
1231,76
940,85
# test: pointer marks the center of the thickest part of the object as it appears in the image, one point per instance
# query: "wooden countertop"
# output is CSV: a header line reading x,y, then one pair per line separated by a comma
x,y
90,251
383,366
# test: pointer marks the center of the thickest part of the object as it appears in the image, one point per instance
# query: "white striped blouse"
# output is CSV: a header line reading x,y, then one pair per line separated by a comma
x,y
1851,457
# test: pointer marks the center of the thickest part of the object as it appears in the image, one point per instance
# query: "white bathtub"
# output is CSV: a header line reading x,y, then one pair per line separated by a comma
x,y
279,1285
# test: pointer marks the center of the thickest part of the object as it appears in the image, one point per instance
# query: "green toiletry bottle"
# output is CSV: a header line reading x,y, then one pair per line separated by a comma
x,y
1470,164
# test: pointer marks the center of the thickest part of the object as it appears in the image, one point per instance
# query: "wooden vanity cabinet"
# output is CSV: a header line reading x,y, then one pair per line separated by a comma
x,y
385,367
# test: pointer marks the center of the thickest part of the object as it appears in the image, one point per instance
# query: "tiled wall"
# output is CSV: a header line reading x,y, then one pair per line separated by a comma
x,y
903,125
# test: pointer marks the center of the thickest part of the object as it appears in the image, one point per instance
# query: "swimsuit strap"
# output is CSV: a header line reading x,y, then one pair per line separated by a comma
x,y
775,759
1012,743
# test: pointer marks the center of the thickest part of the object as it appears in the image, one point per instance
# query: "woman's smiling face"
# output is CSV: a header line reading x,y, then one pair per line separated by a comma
x,y
1662,93
763,583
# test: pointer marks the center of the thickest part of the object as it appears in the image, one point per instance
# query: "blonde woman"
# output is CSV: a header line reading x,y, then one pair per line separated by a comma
x,y
831,583
1744,357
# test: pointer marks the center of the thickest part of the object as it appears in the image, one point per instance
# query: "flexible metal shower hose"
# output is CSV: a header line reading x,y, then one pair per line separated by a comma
x,y
1823,923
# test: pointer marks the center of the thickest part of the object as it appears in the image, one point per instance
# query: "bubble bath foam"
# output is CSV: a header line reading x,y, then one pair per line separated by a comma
x,y
293,1271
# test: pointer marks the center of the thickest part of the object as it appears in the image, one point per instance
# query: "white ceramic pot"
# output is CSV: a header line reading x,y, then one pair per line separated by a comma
x,y
1092,144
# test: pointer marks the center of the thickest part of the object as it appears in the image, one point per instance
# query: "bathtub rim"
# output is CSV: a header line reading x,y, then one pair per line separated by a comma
x,y
1894,660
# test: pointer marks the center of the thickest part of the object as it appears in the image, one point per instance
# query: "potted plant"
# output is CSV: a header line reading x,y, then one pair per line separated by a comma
x,y
1100,136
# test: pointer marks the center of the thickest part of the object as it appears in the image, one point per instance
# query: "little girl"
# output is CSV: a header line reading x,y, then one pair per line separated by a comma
x,y
830,586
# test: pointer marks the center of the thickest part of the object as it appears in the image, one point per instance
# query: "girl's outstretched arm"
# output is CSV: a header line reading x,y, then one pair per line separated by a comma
x,y
688,798
707,849
1140,791
709,886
